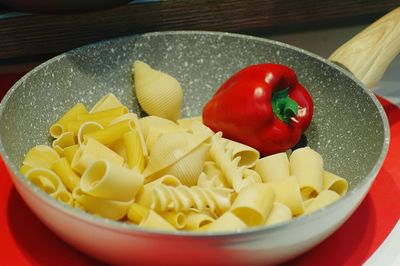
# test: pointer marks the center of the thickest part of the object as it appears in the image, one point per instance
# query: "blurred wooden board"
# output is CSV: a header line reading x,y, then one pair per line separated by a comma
x,y
26,37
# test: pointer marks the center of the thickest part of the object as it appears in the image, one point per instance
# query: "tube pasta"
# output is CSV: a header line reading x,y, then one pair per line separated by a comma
x,y
177,219
92,151
68,177
335,183
273,167
158,93
86,128
184,198
110,134
41,156
134,151
226,222
50,183
111,209
279,213
254,203
323,199
307,165
61,125
248,155
109,101
69,152
107,181
195,220
287,192
155,221
66,139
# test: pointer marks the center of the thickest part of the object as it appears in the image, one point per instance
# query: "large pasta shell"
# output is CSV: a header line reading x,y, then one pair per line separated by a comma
x,y
168,149
149,121
158,93
155,131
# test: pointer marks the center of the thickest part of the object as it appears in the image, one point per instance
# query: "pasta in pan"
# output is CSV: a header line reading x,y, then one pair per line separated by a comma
x,y
168,173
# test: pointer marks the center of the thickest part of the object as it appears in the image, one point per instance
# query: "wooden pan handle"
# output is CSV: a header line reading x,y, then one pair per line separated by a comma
x,y
369,53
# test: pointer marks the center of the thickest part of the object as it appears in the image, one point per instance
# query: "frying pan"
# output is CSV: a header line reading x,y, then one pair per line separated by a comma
x,y
349,129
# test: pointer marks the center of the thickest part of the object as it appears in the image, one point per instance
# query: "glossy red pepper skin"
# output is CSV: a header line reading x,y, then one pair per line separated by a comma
x,y
242,108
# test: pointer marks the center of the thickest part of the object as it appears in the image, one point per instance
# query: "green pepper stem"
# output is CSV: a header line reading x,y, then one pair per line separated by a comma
x,y
283,106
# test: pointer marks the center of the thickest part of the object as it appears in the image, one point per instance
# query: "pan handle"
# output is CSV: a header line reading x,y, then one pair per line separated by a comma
x,y
368,54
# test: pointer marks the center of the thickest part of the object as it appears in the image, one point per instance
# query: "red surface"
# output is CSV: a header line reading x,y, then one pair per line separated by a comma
x,y
24,240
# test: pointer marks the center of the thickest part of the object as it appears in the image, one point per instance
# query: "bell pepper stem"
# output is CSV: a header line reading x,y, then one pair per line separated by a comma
x,y
283,106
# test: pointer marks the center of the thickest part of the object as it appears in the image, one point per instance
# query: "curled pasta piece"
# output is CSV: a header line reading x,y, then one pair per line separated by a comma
x,y
69,152
287,192
223,159
211,176
107,181
50,183
145,195
195,220
111,209
66,139
226,222
147,218
254,203
335,183
149,121
279,213
248,155
41,156
109,101
61,125
158,93
307,165
86,128
68,177
273,167
169,149
323,199
91,152
184,198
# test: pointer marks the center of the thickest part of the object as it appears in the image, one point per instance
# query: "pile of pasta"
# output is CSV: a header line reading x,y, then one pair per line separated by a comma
x,y
171,174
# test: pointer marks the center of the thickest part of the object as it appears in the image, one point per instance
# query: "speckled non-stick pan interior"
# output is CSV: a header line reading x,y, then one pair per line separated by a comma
x,y
347,128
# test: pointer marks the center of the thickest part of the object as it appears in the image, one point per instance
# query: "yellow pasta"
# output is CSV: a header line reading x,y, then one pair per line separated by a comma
x,y
114,112
69,152
111,209
134,150
248,155
41,156
148,121
335,183
307,165
155,131
195,220
91,152
254,203
177,219
147,218
323,199
50,183
226,222
86,128
108,181
61,125
110,134
187,121
273,167
109,101
68,177
65,140
288,192
212,176
279,213
158,93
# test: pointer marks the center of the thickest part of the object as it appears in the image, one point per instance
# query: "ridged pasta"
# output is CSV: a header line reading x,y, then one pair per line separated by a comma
x,y
184,198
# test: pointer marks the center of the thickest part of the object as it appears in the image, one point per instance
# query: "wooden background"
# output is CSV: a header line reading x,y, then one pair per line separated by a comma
x,y
28,37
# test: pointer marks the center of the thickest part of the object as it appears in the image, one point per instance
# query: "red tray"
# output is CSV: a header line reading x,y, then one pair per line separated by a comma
x,y
24,240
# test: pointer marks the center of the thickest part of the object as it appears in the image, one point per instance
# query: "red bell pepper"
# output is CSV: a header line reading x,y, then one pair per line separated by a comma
x,y
263,106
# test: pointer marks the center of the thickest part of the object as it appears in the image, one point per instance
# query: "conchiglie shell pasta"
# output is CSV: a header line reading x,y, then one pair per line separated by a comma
x,y
168,149
158,93
148,121
155,131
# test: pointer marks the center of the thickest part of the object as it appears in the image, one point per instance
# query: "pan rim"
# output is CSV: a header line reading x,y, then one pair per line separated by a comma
x,y
254,231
